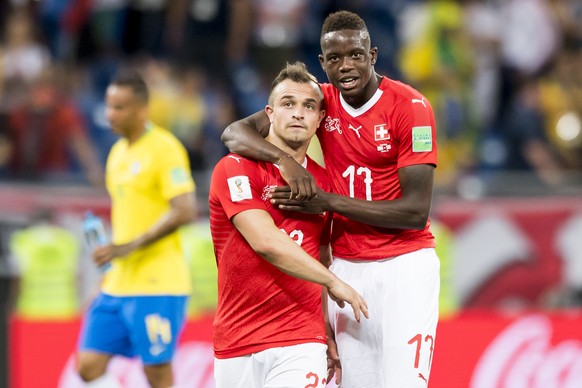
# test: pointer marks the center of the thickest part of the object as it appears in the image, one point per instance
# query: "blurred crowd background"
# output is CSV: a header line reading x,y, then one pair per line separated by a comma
x,y
504,78
502,75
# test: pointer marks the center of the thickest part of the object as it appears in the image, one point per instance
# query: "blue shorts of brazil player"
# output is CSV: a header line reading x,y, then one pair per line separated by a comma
x,y
144,326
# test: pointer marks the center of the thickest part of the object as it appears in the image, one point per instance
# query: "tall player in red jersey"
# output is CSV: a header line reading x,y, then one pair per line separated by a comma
x,y
379,146
269,327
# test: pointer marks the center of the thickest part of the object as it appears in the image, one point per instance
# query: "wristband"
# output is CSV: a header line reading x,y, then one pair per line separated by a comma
x,y
283,157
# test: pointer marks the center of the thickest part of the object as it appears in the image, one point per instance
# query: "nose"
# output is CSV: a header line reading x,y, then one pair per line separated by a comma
x,y
298,114
108,114
346,64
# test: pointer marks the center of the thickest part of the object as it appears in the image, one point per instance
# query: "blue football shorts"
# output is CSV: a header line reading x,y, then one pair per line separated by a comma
x,y
144,326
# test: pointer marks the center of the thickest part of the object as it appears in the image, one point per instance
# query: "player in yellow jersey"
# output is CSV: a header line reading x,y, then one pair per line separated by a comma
x,y
142,305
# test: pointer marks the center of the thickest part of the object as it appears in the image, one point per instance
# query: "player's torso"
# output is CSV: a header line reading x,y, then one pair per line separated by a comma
x,y
304,229
133,182
361,148
258,305
133,185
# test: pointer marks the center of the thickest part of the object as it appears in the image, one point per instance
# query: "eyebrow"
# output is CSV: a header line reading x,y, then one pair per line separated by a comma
x,y
292,97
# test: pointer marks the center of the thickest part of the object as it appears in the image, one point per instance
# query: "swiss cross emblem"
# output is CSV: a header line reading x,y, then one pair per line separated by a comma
x,y
381,132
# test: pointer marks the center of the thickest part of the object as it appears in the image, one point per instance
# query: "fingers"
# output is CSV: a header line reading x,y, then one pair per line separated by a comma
x,y
365,310
302,188
360,307
333,360
356,312
301,182
330,369
338,375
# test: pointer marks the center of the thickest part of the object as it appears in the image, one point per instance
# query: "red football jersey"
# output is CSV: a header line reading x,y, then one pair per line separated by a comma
x,y
363,149
260,307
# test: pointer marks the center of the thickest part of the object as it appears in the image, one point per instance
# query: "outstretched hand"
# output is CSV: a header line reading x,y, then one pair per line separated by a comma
x,y
341,292
301,183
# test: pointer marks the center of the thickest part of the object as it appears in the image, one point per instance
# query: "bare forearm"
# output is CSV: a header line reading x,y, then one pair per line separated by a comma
x,y
183,213
288,257
410,211
246,137
169,223
384,214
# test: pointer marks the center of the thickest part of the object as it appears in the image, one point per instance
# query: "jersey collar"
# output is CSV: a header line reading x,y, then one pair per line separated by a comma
x,y
364,108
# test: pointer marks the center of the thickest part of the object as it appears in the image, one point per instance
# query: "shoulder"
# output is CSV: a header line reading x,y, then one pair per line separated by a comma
x,y
163,138
407,102
118,145
314,167
328,90
234,164
318,172
399,90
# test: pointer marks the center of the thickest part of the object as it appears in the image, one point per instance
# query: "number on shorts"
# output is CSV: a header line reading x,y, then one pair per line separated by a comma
x,y
418,339
315,382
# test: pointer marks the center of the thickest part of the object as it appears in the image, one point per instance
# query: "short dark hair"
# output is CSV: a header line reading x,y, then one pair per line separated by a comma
x,y
132,79
296,72
343,20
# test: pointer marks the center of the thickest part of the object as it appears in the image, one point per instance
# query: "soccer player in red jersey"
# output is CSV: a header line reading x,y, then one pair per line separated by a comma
x,y
379,146
269,327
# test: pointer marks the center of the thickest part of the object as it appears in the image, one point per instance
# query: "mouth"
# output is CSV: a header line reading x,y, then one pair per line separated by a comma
x,y
348,82
297,126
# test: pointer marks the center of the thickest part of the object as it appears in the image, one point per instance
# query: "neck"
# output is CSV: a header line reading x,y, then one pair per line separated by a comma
x,y
298,153
370,89
136,133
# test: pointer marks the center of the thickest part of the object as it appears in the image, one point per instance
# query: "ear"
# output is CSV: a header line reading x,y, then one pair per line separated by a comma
x,y
144,113
269,112
321,116
321,61
373,55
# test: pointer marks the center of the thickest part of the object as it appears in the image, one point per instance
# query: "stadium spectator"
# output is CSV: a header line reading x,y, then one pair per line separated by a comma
x,y
379,145
141,308
23,57
48,136
525,147
269,327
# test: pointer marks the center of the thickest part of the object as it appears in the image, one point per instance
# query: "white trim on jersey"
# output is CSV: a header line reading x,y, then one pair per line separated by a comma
x,y
355,112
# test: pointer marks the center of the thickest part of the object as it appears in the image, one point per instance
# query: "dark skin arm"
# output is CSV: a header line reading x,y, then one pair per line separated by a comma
x,y
410,211
246,137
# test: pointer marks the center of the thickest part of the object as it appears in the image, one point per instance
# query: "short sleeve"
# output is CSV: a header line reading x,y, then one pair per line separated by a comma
x,y
237,185
416,130
175,175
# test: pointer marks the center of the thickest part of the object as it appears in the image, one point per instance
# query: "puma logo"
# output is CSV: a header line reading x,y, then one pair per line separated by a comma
x,y
420,101
420,376
356,130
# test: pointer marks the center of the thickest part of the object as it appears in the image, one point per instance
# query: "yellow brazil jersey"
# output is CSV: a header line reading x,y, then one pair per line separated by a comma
x,y
141,180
